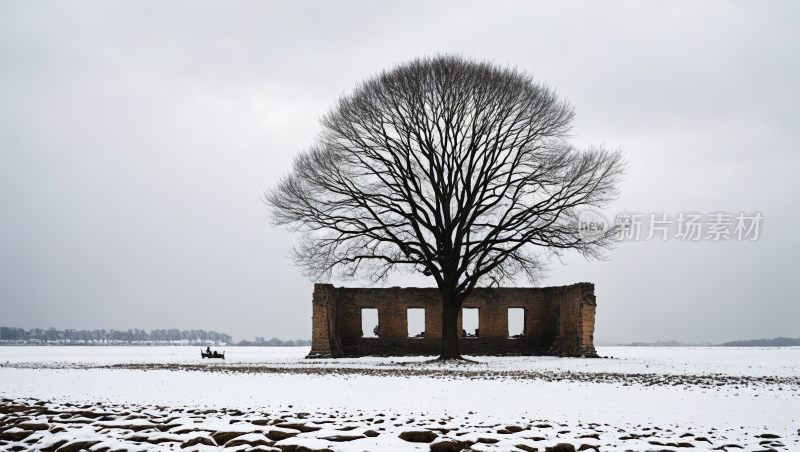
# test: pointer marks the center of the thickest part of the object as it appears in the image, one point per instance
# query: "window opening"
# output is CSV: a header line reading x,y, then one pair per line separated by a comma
x,y
416,322
516,322
470,322
369,322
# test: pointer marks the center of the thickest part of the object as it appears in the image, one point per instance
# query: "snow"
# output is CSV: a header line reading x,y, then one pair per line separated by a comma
x,y
728,396
744,361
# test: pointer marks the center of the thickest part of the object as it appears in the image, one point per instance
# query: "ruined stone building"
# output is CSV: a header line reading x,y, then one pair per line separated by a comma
x,y
558,321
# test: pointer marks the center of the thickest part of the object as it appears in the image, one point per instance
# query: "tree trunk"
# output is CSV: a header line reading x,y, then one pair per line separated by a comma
x,y
450,332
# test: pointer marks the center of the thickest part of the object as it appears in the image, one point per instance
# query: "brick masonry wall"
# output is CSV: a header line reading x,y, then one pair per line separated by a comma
x,y
336,321
325,339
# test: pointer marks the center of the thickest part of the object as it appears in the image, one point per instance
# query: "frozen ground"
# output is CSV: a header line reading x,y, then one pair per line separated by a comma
x,y
666,396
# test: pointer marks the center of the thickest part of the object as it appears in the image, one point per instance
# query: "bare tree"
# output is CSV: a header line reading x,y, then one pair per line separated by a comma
x,y
454,168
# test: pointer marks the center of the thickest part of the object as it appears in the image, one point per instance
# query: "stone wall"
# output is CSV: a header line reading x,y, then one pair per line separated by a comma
x,y
559,321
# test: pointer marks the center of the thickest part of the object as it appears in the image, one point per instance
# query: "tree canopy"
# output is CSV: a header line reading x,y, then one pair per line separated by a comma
x,y
454,168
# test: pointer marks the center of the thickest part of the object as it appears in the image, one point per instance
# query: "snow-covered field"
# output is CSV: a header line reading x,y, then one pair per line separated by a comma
x,y
643,399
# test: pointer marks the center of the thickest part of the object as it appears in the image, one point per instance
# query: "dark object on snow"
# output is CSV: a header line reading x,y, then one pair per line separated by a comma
x,y
211,355
419,436
561,447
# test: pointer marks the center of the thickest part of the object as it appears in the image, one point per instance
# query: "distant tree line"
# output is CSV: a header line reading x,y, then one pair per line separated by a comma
x,y
777,342
670,344
14,336
52,336
274,342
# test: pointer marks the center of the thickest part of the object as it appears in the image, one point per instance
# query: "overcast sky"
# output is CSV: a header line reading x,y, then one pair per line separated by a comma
x,y
137,138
